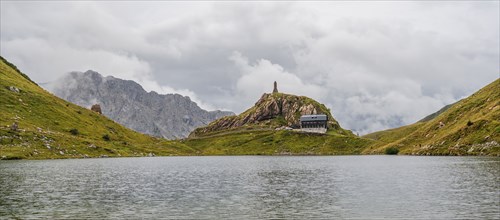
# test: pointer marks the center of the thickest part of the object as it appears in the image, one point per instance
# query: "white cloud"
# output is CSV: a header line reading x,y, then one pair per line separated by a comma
x,y
366,111
36,55
150,85
375,64
121,65
258,78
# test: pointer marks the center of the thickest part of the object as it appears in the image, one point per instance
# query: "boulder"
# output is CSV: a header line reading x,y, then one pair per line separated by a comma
x,y
14,126
96,108
14,89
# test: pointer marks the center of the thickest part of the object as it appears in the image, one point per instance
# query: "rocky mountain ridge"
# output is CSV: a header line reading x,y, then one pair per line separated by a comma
x,y
171,116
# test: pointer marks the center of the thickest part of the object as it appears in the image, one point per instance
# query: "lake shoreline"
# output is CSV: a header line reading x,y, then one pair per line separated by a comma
x,y
244,155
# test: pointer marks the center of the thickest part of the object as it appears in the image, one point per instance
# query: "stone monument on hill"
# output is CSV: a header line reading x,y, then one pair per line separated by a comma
x,y
275,90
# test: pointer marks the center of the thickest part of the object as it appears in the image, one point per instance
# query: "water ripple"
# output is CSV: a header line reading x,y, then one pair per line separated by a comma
x,y
346,187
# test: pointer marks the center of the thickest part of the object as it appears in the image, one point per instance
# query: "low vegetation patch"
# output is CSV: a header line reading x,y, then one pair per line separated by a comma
x,y
391,151
74,131
106,137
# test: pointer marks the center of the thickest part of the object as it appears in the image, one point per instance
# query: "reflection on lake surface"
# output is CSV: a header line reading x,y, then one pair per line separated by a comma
x,y
252,187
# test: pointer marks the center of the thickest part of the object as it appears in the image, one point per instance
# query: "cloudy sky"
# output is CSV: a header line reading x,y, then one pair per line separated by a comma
x,y
377,65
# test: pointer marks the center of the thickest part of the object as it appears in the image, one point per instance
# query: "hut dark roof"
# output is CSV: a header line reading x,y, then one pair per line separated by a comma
x,y
313,118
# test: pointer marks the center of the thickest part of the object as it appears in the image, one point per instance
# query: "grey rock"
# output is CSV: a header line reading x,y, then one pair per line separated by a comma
x,y
14,89
96,108
14,126
170,116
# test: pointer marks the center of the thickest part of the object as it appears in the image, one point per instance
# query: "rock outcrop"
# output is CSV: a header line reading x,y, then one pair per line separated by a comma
x,y
170,116
272,111
14,89
14,126
96,108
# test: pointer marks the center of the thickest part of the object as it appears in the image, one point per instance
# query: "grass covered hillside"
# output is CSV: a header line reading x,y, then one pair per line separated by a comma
x,y
252,141
468,127
258,131
35,124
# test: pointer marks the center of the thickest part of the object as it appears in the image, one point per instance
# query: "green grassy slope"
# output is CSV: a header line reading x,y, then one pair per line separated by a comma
x,y
254,131
435,114
270,142
468,127
391,135
45,122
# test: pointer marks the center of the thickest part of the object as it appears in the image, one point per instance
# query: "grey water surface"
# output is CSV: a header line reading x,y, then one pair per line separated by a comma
x,y
253,187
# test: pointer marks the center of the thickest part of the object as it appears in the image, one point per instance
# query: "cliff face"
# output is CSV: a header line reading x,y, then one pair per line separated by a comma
x,y
272,111
170,116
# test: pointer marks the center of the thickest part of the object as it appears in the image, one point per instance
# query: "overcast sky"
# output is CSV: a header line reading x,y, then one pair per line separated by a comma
x,y
376,65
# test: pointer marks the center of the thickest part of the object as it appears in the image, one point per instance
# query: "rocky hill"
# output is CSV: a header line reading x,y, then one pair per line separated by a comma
x,y
271,111
259,131
170,116
35,124
469,127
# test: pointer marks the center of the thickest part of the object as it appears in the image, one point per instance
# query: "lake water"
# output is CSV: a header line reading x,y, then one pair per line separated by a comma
x,y
253,187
